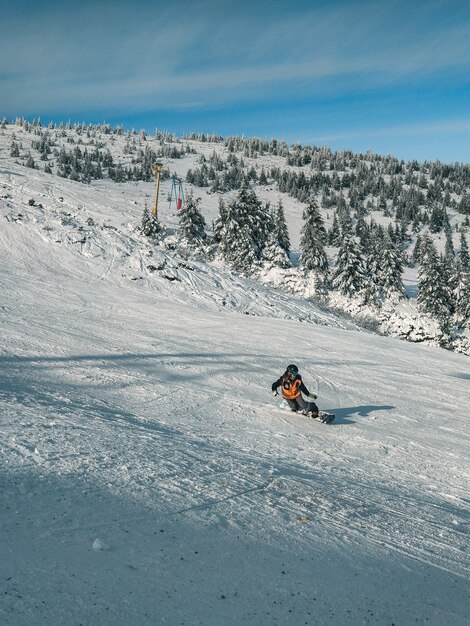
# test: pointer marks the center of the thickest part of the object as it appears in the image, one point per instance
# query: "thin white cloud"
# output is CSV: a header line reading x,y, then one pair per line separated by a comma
x,y
211,55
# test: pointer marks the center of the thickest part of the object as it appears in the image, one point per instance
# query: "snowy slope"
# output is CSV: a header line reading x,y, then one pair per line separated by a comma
x,y
402,319
149,477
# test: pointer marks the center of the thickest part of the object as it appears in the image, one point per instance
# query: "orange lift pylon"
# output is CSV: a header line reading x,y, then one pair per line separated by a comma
x,y
157,170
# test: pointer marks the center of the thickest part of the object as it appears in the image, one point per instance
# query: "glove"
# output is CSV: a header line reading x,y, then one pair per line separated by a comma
x,y
275,392
312,396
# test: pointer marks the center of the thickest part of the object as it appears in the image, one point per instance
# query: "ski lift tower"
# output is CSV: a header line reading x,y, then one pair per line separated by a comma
x,y
177,192
157,170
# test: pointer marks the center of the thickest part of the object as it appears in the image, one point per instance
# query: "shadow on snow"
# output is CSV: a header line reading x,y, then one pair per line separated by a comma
x,y
362,411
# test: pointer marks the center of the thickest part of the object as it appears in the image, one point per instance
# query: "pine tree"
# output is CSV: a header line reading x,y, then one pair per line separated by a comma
x,y
312,241
344,218
432,298
415,256
245,232
373,265
362,231
462,284
436,221
256,216
280,229
464,256
448,281
219,222
14,149
192,223
464,204
385,267
349,276
274,253
334,236
262,177
462,296
149,226
30,162
444,336
391,269
236,245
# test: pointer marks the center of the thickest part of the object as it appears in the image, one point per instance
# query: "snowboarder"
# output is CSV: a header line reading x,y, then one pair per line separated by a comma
x,y
292,389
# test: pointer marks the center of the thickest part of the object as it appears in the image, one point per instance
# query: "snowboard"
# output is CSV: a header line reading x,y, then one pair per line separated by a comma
x,y
324,417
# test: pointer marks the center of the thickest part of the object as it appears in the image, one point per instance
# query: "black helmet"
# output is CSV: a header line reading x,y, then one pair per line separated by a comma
x,y
292,368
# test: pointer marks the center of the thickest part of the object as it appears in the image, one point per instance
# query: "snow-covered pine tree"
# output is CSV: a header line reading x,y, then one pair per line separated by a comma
x,y
274,253
14,149
149,226
432,297
30,162
312,241
334,235
245,232
349,275
280,229
251,212
436,220
462,286
382,204
362,231
372,264
219,222
462,298
464,204
236,245
390,270
192,222
344,217
464,255
449,249
416,254
263,178
444,336
449,279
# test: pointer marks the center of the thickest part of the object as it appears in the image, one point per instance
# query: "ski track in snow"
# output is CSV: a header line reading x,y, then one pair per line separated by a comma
x,y
136,410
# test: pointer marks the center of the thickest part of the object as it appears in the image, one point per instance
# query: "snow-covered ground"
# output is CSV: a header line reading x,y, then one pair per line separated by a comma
x,y
149,477
125,201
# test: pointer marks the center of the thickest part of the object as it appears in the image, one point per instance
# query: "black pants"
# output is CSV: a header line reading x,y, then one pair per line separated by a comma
x,y
299,404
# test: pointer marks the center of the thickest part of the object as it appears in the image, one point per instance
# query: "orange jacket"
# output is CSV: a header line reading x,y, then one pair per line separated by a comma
x,y
291,389
291,386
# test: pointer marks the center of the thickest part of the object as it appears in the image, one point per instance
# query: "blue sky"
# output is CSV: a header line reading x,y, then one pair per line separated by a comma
x,y
391,76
